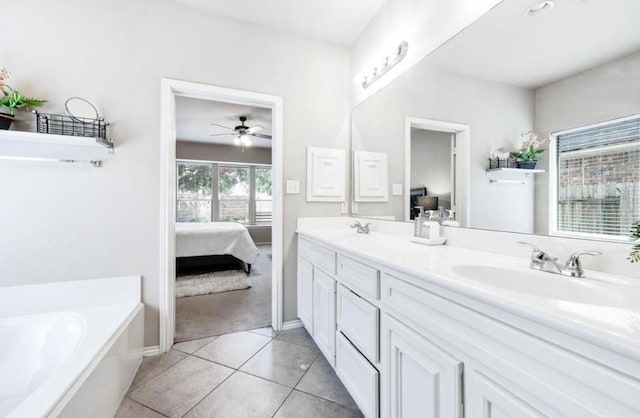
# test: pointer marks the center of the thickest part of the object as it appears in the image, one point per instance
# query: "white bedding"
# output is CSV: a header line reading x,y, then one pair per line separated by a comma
x,y
215,238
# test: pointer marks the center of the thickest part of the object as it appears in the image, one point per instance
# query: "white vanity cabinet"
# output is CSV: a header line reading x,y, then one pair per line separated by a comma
x,y
305,294
407,346
420,379
324,313
337,299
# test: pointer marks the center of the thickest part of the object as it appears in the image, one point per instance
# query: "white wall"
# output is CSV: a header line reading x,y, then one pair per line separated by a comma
x,y
66,223
497,114
424,24
431,163
607,92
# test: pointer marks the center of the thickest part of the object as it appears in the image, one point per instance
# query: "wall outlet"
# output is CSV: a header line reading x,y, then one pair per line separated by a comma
x,y
396,189
293,187
354,207
344,208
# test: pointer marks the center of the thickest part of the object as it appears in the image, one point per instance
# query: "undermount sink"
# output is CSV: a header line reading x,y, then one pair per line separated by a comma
x,y
545,285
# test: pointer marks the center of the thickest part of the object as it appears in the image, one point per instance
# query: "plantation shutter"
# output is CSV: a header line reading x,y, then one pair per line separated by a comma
x,y
599,179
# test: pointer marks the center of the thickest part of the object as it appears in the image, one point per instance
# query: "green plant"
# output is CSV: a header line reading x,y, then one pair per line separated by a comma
x,y
11,98
530,150
634,255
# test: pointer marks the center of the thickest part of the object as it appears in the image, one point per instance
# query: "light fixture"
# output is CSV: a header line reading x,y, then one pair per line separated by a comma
x,y
539,8
245,141
388,63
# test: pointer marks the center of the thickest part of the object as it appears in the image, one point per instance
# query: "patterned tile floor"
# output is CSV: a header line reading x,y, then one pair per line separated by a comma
x,y
248,374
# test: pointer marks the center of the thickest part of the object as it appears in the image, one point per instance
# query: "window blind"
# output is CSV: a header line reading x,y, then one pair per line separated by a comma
x,y
599,179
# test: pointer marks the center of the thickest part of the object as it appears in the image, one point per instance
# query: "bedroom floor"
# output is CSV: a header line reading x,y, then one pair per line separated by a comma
x,y
250,374
222,313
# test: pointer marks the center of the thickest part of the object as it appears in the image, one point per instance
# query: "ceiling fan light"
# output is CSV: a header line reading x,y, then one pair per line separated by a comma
x,y
236,140
245,140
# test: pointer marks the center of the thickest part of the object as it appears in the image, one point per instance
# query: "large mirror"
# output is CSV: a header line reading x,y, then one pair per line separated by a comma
x,y
567,72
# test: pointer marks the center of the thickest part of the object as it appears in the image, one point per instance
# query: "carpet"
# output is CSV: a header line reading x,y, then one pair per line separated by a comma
x,y
208,283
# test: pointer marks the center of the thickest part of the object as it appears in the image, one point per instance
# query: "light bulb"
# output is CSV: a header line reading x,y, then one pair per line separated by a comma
x,y
236,140
245,140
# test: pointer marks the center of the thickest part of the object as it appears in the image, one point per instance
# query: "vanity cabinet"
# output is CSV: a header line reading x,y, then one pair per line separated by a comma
x,y
406,346
421,379
324,313
305,294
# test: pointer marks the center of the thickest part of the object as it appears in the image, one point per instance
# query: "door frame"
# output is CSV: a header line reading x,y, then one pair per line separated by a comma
x,y
463,137
169,89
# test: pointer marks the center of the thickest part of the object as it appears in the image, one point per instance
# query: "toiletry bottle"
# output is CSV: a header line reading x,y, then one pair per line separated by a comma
x,y
432,229
418,221
451,219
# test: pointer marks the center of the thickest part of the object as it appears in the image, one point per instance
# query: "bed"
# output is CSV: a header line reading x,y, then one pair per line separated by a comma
x,y
213,246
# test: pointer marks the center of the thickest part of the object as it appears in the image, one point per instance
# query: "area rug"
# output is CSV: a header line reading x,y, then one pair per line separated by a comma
x,y
216,282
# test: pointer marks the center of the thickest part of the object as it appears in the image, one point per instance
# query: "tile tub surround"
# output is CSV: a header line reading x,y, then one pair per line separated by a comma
x,y
106,357
239,375
611,327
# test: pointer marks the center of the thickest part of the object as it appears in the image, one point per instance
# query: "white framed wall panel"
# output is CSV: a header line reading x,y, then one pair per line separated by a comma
x,y
326,174
370,176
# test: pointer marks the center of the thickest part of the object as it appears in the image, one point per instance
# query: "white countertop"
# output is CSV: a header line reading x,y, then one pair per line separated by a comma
x,y
614,326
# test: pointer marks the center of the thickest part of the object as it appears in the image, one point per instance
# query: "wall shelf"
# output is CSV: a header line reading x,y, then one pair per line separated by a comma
x,y
53,139
511,175
13,139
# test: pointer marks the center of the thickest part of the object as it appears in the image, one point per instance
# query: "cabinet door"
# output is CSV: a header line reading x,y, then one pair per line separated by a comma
x,y
324,314
305,294
421,380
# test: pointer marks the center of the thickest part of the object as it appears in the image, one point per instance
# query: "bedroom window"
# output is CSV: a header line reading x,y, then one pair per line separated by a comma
x,y
209,192
597,179
195,192
233,194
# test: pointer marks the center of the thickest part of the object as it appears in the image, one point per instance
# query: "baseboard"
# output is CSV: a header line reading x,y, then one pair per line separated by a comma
x,y
296,323
154,350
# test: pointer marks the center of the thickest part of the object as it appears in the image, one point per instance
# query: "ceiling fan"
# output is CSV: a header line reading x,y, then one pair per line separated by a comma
x,y
243,132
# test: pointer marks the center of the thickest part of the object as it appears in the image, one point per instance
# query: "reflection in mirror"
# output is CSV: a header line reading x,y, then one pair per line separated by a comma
x,y
506,75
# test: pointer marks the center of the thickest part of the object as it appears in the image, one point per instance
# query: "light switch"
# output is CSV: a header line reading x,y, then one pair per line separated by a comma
x,y
396,189
293,187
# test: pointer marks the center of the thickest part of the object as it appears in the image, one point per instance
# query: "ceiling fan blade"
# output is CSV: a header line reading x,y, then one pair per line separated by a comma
x,y
254,129
262,136
229,134
225,127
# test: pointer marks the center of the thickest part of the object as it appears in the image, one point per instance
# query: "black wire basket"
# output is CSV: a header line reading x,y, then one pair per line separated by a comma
x,y
502,163
49,123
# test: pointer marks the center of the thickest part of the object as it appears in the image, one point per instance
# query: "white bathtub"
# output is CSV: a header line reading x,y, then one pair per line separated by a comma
x,y
69,349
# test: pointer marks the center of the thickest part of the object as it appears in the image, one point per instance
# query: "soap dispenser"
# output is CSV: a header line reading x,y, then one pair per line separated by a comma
x,y
451,219
418,222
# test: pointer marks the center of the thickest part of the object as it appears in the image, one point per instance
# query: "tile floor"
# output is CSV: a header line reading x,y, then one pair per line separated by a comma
x,y
248,374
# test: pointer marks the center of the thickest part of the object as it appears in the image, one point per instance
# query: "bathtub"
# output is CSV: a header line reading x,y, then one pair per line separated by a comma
x,y
69,349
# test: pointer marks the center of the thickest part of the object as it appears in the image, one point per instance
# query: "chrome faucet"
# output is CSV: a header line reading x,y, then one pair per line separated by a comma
x,y
361,229
540,260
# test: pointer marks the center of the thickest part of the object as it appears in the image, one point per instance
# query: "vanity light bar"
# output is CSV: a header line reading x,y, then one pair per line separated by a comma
x,y
386,65
93,163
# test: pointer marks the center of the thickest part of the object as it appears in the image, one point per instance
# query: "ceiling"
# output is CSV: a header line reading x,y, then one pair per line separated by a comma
x,y
339,21
194,118
576,35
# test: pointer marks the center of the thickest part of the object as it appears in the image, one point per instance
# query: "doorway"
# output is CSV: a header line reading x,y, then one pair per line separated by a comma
x,y
437,167
172,92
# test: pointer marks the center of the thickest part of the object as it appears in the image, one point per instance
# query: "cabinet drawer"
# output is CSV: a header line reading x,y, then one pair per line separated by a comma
x,y
359,321
360,277
358,376
319,256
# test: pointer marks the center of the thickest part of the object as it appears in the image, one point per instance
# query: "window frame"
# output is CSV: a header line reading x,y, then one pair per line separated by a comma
x,y
553,184
215,198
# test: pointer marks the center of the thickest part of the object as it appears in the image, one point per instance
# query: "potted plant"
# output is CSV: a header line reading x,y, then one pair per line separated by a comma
x,y
527,156
12,100
634,255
